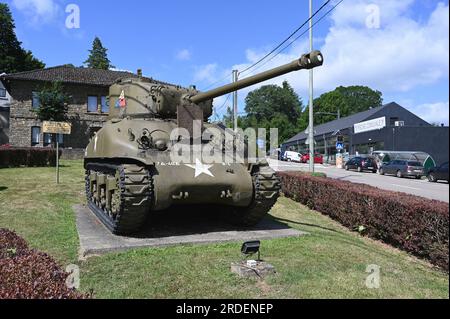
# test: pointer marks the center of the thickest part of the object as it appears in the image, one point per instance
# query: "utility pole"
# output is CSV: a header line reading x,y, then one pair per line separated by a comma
x,y
235,103
311,95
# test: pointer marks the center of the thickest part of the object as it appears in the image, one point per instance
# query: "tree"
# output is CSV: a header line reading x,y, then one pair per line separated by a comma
x,y
227,119
269,107
348,100
98,57
269,100
13,58
53,103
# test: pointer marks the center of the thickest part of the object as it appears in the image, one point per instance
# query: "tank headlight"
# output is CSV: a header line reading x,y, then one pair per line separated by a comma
x,y
161,145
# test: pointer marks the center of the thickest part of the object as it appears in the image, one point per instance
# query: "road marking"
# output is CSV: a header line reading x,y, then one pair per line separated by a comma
x,y
417,189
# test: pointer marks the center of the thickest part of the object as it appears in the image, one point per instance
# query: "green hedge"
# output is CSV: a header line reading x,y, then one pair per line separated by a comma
x,y
417,225
27,157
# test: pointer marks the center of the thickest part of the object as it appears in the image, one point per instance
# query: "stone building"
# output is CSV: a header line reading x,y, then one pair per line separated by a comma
x,y
87,111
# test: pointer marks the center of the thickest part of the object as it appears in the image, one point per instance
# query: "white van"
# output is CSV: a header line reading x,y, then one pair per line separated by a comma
x,y
292,156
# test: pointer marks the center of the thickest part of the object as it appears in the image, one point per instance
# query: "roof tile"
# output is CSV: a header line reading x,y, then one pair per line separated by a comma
x,y
69,74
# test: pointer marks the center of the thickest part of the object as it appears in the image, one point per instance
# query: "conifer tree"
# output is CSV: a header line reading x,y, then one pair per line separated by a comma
x,y
13,58
98,57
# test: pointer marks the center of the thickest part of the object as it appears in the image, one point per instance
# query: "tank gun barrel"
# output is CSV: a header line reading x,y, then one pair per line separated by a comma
x,y
305,62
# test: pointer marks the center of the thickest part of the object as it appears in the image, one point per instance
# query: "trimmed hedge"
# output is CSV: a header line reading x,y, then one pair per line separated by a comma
x,y
28,157
417,225
29,274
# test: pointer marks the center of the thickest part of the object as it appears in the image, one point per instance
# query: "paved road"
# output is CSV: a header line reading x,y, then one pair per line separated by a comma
x,y
439,191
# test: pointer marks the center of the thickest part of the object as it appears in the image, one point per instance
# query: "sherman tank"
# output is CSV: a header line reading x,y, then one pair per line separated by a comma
x,y
130,170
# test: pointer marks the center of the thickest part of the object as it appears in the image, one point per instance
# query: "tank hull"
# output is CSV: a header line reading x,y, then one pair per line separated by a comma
x,y
126,183
198,183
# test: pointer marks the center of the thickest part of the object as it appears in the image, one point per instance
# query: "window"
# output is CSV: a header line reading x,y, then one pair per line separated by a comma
x,y
35,103
392,120
414,164
35,135
47,139
105,104
2,92
92,104
60,138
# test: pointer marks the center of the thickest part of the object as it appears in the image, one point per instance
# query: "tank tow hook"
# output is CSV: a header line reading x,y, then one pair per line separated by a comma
x,y
181,196
226,194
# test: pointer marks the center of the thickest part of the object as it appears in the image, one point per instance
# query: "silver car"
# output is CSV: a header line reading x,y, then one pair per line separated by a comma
x,y
402,168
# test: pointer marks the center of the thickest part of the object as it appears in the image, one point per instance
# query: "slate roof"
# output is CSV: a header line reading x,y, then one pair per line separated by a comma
x,y
74,75
341,124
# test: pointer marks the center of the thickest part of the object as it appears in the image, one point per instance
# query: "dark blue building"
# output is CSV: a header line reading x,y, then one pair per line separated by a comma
x,y
390,127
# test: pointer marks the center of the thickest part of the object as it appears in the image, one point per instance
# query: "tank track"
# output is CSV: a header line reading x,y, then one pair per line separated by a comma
x,y
267,188
133,196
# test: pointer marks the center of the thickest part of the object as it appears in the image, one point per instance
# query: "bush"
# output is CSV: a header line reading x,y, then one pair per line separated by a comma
x,y
28,274
29,157
417,225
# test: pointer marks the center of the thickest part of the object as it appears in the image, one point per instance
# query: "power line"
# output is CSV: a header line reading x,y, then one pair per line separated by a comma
x,y
219,81
282,50
287,39
224,103
298,37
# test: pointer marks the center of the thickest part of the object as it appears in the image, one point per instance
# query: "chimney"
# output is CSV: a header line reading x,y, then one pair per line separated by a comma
x,y
139,72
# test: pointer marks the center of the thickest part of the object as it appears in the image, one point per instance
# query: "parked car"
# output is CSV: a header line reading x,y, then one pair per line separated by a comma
x,y
438,173
292,156
401,168
318,159
362,164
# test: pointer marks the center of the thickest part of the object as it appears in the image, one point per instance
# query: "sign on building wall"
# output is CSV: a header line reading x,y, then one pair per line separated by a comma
x,y
372,125
57,128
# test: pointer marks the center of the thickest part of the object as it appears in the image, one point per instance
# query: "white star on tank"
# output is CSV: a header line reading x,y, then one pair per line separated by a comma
x,y
200,168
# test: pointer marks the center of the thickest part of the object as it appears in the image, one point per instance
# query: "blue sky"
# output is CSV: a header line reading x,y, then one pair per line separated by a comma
x,y
405,55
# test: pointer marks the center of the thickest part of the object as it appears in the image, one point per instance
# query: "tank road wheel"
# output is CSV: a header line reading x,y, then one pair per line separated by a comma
x,y
119,195
267,188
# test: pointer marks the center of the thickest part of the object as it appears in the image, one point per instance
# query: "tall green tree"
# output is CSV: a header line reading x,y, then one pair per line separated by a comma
x,y
270,100
53,103
13,58
271,106
98,56
348,100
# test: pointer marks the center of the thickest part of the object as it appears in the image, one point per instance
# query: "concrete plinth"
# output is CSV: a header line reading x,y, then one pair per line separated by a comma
x,y
175,227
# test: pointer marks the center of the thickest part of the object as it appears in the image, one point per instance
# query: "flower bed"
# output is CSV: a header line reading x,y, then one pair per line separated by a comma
x,y
29,274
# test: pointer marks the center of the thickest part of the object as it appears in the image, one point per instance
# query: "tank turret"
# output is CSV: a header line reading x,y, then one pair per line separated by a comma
x,y
141,97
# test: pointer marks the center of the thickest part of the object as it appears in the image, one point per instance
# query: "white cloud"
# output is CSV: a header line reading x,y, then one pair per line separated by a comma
x,y
433,112
183,55
38,11
401,56
398,57
206,73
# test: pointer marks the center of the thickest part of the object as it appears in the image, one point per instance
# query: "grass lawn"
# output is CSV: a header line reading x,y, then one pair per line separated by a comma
x,y
331,262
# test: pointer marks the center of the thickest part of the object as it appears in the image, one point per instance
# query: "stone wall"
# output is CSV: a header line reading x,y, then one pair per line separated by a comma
x,y
84,123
